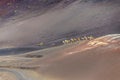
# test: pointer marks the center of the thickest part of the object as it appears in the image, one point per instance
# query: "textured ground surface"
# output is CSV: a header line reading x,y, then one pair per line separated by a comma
x,y
97,59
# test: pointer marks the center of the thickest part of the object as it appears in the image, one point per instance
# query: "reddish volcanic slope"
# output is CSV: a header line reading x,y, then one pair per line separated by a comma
x,y
98,59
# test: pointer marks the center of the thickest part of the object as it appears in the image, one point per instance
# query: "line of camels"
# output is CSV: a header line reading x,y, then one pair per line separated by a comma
x,y
78,39
72,40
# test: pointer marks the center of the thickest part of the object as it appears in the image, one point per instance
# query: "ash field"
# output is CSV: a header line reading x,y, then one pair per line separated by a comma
x,y
32,34
86,60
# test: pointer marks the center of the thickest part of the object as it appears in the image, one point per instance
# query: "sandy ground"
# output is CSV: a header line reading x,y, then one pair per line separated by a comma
x,y
7,76
97,59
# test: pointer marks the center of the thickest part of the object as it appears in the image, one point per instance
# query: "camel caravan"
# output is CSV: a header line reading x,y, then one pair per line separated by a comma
x,y
78,39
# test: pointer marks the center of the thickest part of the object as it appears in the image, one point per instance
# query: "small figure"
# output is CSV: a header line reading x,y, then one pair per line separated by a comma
x,y
40,44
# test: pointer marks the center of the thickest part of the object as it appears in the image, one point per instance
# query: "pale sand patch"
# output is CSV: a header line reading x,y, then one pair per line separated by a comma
x,y
7,76
31,74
